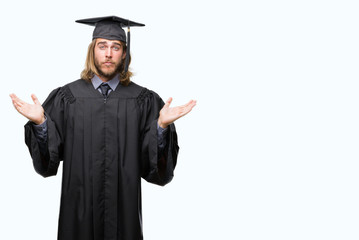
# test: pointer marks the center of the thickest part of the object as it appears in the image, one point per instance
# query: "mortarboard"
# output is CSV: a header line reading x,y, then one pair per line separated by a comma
x,y
111,28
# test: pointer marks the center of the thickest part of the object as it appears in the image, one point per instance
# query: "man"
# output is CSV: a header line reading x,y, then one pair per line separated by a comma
x,y
109,132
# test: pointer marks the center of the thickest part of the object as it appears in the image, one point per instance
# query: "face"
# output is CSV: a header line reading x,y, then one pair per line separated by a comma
x,y
108,57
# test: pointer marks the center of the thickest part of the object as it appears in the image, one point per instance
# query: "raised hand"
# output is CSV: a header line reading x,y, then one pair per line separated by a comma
x,y
33,112
170,114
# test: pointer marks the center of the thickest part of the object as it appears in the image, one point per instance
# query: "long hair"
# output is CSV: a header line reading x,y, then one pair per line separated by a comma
x,y
90,68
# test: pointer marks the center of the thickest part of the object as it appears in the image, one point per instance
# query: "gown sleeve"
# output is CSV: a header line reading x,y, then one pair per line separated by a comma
x,y
157,165
47,163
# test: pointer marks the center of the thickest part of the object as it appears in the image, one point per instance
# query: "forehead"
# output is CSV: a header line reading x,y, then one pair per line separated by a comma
x,y
107,41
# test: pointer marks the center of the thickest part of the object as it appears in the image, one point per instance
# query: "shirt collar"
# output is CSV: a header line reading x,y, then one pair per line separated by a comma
x,y
113,83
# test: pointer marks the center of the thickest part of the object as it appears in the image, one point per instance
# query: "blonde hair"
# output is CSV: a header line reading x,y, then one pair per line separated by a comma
x,y
90,68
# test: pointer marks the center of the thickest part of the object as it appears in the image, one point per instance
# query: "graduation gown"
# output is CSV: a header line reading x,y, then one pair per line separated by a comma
x,y
106,147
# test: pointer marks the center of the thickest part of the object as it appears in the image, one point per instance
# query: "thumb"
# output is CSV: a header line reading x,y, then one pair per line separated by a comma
x,y
168,102
34,98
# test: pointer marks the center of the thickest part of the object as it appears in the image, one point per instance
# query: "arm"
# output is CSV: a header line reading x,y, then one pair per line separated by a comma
x,y
158,165
40,132
161,138
46,155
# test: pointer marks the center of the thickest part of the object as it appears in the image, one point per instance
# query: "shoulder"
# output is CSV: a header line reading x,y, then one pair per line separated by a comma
x,y
74,89
66,92
145,93
77,83
147,98
133,90
77,89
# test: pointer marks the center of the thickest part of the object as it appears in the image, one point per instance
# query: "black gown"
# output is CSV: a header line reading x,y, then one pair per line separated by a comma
x,y
106,147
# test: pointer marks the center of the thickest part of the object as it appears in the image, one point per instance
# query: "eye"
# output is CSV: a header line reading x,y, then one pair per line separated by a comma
x,y
102,47
116,48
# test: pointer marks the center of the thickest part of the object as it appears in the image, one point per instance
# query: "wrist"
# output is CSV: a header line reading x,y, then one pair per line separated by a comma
x,y
41,121
162,125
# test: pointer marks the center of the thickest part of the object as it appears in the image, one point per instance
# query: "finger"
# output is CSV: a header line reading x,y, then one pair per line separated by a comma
x,y
12,95
17,107
16,99
186,110
189,106
18,104
191,102
34,98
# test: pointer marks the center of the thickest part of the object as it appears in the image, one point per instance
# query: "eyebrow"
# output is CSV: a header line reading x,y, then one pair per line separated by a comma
x,y
101,43
114,43
119,44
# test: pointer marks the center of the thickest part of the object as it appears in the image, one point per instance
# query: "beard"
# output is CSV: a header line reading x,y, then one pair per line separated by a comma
x,y
109,74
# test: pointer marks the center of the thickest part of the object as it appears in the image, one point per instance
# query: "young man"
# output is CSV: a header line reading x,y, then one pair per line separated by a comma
x,y
109,132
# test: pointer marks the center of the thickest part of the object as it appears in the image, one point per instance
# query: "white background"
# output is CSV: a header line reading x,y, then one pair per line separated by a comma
x,y
269,152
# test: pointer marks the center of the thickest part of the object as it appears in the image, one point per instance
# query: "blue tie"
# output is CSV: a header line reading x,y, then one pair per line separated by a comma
x,y
104,89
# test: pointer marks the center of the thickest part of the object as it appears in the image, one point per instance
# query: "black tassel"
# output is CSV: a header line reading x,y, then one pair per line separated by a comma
x,y
127,60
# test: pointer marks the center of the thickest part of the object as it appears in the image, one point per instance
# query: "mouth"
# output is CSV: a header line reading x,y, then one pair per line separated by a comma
x,y
108,63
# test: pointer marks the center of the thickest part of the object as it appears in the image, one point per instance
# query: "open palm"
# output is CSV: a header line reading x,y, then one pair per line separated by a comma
x,y
33,112
170,114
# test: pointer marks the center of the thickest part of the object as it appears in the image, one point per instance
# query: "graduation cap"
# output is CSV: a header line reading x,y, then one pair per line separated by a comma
x,y
111,28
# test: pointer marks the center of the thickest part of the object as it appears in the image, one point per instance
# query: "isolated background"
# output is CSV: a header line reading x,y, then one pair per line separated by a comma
x,y
269,152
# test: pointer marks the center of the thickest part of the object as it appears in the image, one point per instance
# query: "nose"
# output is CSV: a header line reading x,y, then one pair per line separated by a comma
x,y
109,53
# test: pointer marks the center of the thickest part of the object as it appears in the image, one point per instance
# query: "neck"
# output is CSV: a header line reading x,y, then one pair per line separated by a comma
x,y
105,78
